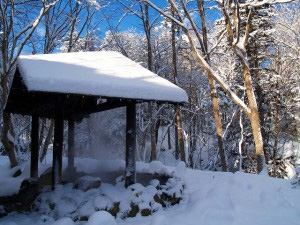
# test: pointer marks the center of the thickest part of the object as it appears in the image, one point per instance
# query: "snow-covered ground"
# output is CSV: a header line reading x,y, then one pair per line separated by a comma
x,y
210,198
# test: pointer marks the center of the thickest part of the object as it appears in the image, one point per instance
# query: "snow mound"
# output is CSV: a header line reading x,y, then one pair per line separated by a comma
x,y
101,218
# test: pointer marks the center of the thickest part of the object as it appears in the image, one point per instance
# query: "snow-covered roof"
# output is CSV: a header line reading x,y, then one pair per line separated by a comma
x,y
104,73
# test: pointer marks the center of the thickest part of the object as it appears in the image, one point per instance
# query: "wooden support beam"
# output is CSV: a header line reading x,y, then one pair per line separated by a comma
x,y
130,175
71,134
97,108
57,145
34,159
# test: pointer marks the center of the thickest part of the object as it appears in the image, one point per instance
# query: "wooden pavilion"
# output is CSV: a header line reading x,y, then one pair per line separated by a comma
x,y
70,86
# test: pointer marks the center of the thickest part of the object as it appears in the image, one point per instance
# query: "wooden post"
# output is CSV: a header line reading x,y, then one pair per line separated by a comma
x,y
71,134
130,175
34,159
57,146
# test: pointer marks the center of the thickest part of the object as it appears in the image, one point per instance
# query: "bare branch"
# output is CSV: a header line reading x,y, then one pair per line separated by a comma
x,y
32,28
165,14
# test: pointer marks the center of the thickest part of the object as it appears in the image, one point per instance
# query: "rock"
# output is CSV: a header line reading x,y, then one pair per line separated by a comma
x,y
84,218
159,200
16,171
22,201
134,210
171,199
52,205
115,209
146,212
86,183
163,178
46,178
174,200
27,194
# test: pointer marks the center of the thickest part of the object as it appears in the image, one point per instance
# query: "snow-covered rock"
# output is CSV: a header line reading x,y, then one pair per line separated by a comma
x,y
86,183
101,218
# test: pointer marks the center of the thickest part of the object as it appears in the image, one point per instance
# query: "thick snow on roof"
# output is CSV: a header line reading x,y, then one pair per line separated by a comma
x,y
104,73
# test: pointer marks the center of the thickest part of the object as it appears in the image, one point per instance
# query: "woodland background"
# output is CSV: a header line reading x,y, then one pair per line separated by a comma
x,y
237,60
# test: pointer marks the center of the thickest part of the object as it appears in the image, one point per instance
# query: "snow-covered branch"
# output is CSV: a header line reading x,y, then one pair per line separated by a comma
x,y
164,13
31,27
264,2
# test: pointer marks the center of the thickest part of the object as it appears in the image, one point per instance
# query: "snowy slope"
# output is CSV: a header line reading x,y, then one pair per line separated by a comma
x,y
212,198
231,199
104,73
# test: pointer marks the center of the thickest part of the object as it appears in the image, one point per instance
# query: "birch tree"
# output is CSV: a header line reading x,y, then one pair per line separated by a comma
x,y
237,39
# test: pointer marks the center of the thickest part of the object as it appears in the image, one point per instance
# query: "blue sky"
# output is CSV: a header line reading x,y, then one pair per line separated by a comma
x,y
132,21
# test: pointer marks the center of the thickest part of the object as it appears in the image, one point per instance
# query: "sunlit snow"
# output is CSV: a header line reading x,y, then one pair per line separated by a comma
x,y
104,73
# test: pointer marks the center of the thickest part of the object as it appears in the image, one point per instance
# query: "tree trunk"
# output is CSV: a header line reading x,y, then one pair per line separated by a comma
x,y
254,120
47,140
6,136
176,140
213,91
7,143
260,101
180,135
179,144
276,129
218,122
152,108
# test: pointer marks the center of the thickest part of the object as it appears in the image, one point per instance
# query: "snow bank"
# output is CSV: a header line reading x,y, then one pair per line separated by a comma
x,y
227,199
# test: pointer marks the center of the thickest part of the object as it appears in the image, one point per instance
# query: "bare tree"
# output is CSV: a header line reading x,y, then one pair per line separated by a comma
x,y
12,43
237,38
